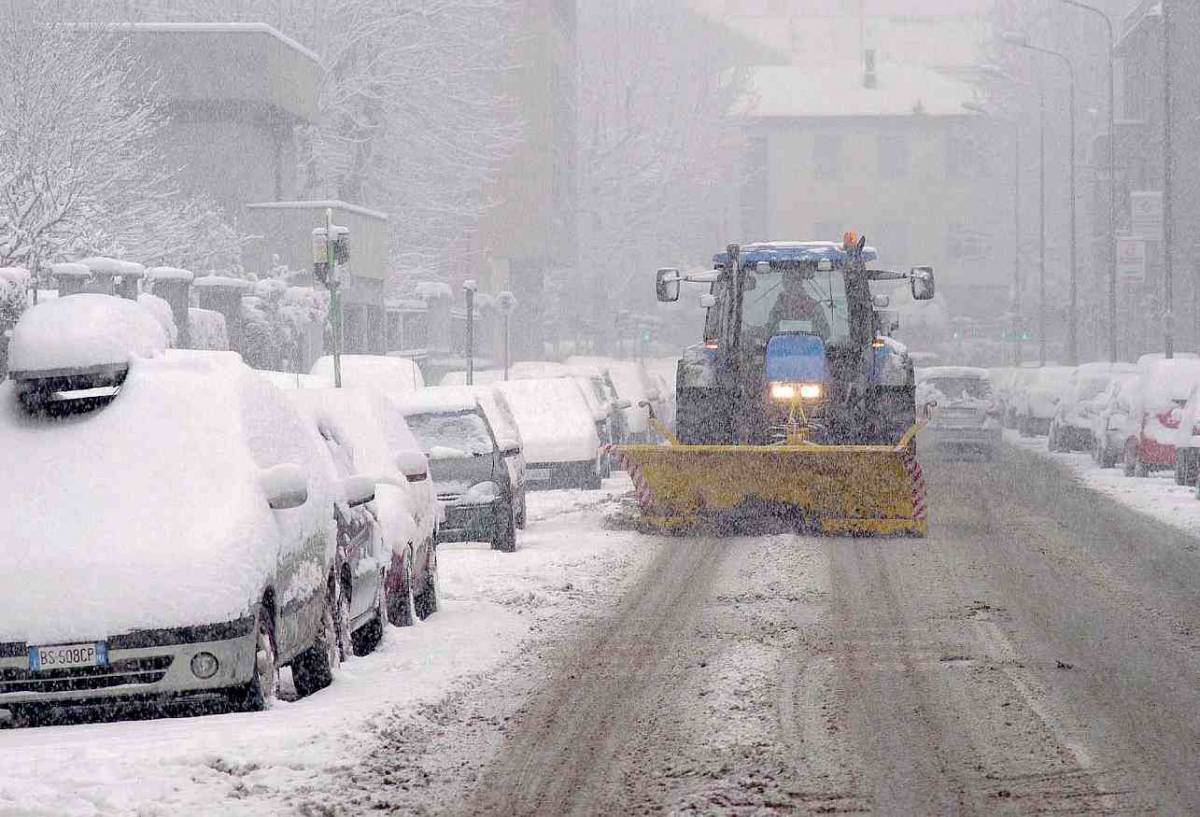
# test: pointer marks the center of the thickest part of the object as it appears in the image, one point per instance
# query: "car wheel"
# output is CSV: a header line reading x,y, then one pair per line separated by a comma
x,y
427,600
342,621
263,688
400,599
505,539
313,669
1180,470
1139,468
366,639
591,481
522,516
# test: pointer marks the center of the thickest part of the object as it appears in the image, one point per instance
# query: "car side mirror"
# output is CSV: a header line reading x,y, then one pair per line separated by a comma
x,y
413,465
881,301
923,287
666,285
286,486
358,490
708,300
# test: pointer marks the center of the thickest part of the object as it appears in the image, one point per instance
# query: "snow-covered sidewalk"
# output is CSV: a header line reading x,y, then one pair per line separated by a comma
x,y
1156,495
566,566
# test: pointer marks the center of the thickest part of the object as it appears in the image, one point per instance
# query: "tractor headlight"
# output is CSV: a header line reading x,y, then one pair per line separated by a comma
x,y
788,392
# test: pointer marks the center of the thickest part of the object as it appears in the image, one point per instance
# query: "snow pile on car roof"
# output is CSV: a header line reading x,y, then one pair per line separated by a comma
x,y
439,400
390,375
84,331
150,513
495,408
555,421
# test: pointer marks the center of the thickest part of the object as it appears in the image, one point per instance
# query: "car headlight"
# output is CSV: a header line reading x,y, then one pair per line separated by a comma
x,y
788,392
482,493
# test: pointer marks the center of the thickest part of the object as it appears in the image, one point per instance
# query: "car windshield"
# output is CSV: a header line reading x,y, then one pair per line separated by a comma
x,y
791,301
955,387
1088,387
458,434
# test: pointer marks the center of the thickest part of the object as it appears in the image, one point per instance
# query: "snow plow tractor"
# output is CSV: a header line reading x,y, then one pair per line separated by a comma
x,y
796,403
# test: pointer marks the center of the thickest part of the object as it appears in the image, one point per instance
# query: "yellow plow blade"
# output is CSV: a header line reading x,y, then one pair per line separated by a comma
x,y
844,489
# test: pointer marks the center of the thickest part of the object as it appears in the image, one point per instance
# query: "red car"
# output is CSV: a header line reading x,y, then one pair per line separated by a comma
x,y
1156,411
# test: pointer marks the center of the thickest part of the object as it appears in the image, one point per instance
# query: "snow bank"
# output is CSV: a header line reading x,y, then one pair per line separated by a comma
x,y
390,375
84,330
1156,495
148,513
555,421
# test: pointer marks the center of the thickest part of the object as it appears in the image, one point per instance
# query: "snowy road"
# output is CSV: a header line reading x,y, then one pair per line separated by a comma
x,y
1039,652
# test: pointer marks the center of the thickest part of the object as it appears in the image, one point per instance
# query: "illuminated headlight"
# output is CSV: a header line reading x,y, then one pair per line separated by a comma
x,y
204,665
483,493
787,392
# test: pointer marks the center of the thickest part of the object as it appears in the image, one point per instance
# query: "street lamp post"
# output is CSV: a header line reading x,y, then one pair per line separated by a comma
x,y
470,287
1168,188
507,302
1022,41
1112,176
1016,308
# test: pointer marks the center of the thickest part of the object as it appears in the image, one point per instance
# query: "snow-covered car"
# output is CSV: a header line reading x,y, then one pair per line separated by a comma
x,y
634,384
1187,441
1075,415
508,436
1108,426
1039,397
962,414
385,557
559,433
1156,411
171,531
1012,393
467,467
390,375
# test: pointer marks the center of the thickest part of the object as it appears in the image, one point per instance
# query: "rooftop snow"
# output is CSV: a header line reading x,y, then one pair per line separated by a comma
x,y
222,281
82,331
325,204
113,266
169,274
70,270
217,28
795,251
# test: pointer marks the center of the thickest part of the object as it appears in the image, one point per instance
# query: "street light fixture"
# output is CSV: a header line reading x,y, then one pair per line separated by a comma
x,y
1112,176
982,110
1021,40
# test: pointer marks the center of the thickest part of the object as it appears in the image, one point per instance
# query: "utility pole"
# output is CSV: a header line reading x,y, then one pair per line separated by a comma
x,y
1168,168
1017,241
331,245
1042,218
469,288
507,302
1112,176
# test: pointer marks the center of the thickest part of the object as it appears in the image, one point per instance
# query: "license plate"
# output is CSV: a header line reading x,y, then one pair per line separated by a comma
x,y
537,474
68,656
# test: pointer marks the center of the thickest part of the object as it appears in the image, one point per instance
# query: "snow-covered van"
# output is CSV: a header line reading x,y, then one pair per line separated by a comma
x,y
1156,411
166,519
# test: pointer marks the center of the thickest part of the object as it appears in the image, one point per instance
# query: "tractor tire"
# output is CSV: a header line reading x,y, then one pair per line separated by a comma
x,y
704,417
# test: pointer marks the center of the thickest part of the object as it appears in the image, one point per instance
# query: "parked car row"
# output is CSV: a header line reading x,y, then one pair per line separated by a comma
x,y
188,527
1144,416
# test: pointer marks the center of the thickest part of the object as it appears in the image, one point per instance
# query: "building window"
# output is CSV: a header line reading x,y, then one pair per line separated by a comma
x,y
827,156
894,158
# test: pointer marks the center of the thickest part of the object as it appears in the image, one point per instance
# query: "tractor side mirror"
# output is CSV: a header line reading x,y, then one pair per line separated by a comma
x,y
666,285
922,283
881,301
708,300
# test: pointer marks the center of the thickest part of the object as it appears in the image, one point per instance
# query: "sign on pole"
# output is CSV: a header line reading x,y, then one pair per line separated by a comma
x,y
1131,260
1146,215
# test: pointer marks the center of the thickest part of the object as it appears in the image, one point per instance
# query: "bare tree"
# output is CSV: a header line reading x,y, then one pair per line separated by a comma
x,y
80,166
658,142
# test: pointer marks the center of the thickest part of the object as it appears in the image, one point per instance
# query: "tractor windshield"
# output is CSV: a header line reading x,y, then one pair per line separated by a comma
x,y
793,301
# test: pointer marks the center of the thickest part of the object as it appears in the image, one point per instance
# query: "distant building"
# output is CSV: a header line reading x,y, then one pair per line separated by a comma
x,y
865,130
1140,169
